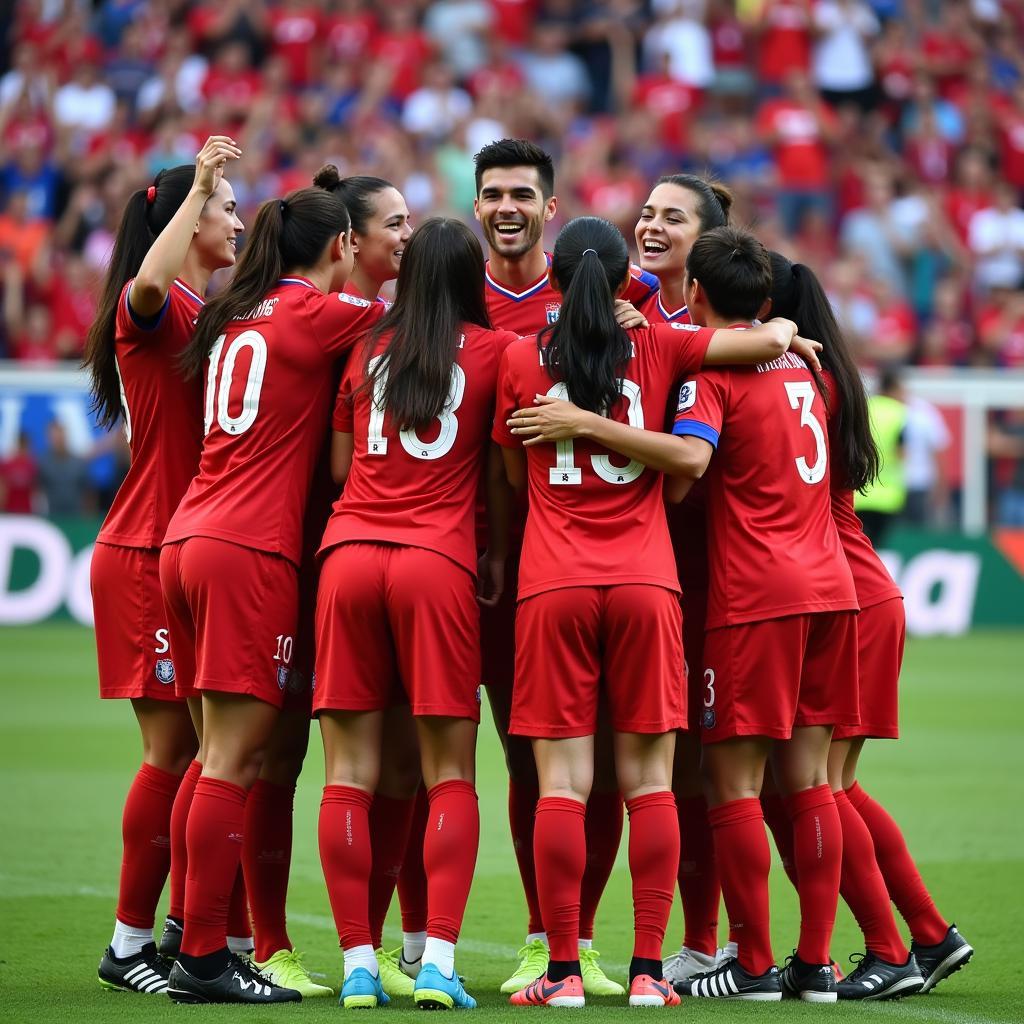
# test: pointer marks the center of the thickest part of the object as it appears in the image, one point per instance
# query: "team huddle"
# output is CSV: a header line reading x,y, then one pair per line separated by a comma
x,y
619,497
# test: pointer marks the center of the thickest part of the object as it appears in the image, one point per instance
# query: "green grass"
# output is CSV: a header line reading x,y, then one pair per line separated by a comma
x,y
954,782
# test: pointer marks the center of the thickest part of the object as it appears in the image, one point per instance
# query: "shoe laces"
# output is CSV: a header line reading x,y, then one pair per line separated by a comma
x,y
534,954
864,964
588,959
388,958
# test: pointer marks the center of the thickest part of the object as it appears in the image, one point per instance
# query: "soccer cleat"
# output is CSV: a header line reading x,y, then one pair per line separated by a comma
x,y
395,983
813,983
566,993
285,968
433,991
595,981
144,972
687,964
533,962
943,959
646,991
239,983
730,981
362,991
170,939
876,980
837,972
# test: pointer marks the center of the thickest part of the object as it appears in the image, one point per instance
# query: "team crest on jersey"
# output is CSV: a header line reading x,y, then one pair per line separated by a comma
x,y
687,396
551,311
352,300
708,720
283,672
677,326
165,671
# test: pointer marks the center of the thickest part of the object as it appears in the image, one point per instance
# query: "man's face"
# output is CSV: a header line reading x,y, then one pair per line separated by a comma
x,y
512,210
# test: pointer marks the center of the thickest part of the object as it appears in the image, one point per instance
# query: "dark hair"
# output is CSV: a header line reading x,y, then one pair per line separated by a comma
x,y
797,295
440,287
585,347
141,223
289,234
733,268
516,153
714,200
355,192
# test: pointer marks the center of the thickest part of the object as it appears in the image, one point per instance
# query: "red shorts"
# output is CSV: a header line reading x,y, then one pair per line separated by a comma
x,y
299,692
391,616
232,613
881,632
570,640
765,678
695,613
498,632
132,643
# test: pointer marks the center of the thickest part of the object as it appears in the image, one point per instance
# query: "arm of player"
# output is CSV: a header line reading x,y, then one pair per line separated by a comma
x,y
515,468
491,575
695,455
166,255
342,448
758,344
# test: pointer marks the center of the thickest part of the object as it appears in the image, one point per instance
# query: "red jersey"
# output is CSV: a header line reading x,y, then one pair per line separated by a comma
x,y
595,518
418,487
538,305
269,388
774,549
785,43
800,152
654,309
871,578
163,418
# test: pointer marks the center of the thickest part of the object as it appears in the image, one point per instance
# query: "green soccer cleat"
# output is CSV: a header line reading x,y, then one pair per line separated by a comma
x,y
394,982
285,968
533,962
595,981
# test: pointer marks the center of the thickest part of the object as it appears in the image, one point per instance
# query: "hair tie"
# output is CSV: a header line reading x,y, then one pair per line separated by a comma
x,y
283,205
151,194
585,251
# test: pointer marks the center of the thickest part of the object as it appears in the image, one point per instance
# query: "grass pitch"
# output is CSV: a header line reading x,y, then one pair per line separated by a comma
x,y
953,782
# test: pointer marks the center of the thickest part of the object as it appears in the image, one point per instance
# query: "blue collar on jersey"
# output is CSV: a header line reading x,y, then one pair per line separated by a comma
x,y
666,314
182,287
517,296
296,280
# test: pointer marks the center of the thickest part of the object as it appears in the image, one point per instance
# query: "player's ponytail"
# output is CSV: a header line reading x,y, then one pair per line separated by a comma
x,y
147,213
440,288
797,295
585,348
288,236
714,200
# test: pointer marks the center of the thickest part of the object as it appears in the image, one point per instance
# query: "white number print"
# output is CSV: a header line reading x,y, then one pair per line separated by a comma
x,y
284,648
124,405
377,443
801,396
565,471
709,683
219,397
163,644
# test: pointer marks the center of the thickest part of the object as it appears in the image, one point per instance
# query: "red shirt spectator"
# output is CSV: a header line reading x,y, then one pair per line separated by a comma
x,y
405,48
672,103
18,476
950,47
728,41
294,31
350,32
785,43
513,20
1011,139
1001,328
948,340
798,131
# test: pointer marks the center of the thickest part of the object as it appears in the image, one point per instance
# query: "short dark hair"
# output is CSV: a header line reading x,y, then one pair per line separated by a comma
x,y
733,269
516,153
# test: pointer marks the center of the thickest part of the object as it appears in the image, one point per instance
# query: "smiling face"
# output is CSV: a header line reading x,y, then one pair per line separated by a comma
x,y
218,228
379,248
667,228
512,210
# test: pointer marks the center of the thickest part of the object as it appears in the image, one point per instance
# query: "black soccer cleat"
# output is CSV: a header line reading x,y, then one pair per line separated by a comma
x,y
943,959
145,972
731,981
170,940
813,983
240,983
877,980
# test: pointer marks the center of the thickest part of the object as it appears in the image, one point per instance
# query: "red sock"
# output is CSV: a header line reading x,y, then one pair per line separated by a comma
x,y
862,886
653,855
522,807
698,876
744,860
389,836
179,848
818,855
345,853
778,821
906,887
146,837
239,921
214,836
412,880
449,855
603,830
267,859
560,853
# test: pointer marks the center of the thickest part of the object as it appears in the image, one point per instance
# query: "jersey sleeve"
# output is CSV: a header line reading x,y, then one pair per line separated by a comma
x,y
506,402
127,321
343,418
700,409
688,344
339,320
642,285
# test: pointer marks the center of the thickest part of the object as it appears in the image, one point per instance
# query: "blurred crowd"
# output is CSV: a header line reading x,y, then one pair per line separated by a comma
x,y
879,141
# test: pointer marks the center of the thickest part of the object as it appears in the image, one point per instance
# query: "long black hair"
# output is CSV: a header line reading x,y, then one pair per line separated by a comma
x,y
585,347
141,223
289,234
356,192
440,287
714,200
797,295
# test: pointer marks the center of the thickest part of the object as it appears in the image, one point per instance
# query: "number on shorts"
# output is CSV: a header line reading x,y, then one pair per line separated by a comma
x,y
217,398
284,648
709,684
801,396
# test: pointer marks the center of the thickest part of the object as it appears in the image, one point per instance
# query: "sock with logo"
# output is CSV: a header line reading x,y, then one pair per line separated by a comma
x,y
522,808
699,887
179,847
603,830
345,853
560,852
267,860
389,836
449,856
412,879
781,827
653,857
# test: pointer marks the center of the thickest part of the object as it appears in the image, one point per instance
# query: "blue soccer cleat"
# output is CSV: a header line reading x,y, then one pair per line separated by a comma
x,y
362,991
434,991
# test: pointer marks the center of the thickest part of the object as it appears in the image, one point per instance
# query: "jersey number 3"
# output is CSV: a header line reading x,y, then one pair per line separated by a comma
x,y
801,396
